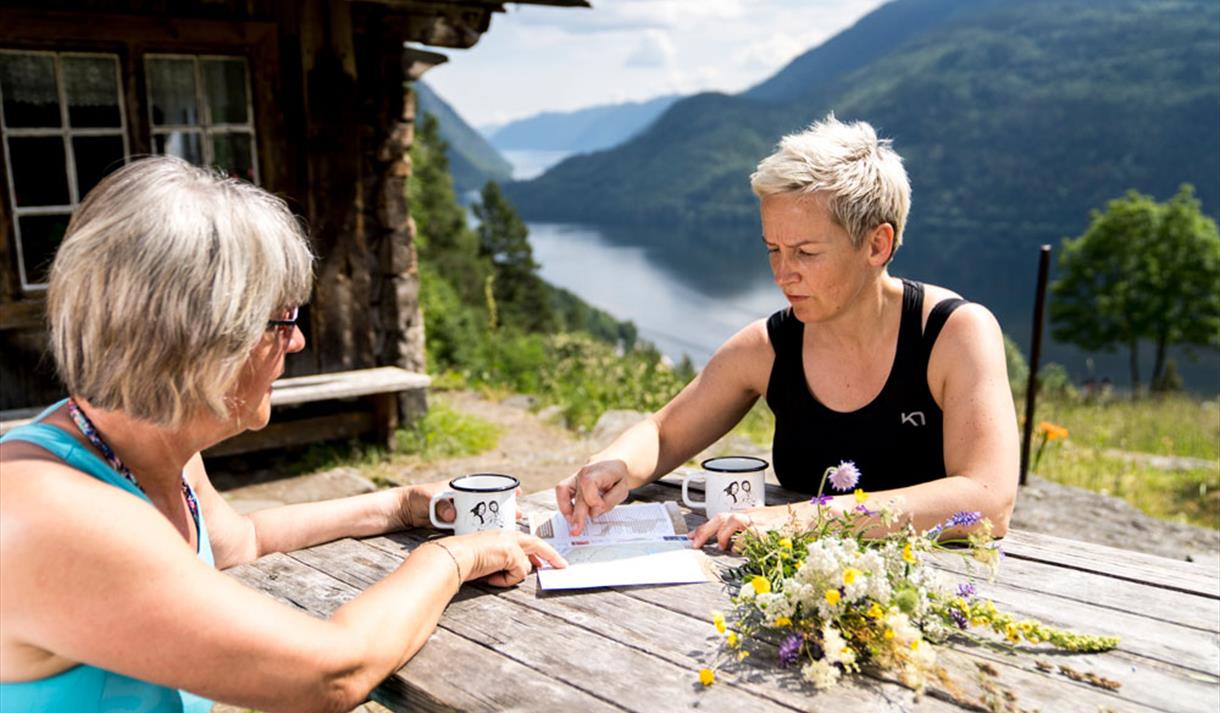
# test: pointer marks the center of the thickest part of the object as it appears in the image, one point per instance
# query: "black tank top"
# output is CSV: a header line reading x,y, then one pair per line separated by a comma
x,y
896,440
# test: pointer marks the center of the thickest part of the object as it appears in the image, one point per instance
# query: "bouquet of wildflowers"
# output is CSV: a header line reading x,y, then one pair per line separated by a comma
x,y
834,601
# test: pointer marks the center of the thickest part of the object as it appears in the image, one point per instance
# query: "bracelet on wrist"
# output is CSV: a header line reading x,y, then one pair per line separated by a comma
x,y
456,565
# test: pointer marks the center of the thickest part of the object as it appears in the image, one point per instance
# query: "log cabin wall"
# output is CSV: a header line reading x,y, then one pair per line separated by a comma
x,y
333,134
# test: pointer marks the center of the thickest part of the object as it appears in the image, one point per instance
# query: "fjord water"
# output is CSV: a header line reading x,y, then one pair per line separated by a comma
x,y
687,298
684,293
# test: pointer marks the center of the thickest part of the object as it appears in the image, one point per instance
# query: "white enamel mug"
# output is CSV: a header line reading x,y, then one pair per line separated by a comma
x,y
730,483
484,501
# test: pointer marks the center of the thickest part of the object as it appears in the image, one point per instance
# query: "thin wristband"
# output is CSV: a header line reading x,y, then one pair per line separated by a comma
x,y
453,557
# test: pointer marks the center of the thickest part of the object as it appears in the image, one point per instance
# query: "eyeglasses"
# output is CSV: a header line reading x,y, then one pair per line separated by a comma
x,y
287,323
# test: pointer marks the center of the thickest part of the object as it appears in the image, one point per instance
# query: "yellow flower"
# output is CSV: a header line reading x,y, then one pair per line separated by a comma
x,y
786,543
914,644
907,555
850,574
861,496
706,676
718,620
761,585
832,596
741,655
783,621
732,640
875,611
889,633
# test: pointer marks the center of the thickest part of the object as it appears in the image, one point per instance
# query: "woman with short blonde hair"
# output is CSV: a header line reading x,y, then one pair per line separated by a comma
x,y
172,304
904,381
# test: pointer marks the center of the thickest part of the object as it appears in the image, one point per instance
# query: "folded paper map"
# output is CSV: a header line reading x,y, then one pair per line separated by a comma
x,y
645,543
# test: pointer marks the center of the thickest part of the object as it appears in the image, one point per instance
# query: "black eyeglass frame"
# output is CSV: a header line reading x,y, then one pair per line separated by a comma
x,y
285,323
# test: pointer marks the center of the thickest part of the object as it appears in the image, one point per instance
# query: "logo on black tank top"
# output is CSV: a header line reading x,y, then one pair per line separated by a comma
x,y
914,418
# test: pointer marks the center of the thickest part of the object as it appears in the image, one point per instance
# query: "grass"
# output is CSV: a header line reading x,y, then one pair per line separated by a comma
x,y
1175,425
442,433
1191,495
1103,452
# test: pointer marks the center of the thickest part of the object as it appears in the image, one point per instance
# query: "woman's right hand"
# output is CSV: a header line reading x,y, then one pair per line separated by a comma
x,y
504,557
593,490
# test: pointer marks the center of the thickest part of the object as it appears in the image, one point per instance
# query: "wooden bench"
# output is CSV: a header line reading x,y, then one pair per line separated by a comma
x,y
377,398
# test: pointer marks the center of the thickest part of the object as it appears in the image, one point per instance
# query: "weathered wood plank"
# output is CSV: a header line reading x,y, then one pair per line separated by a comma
x,y
1147,679
436,678
1144,681
1163,573
689,642
348,424
345,384
1156,603
603,668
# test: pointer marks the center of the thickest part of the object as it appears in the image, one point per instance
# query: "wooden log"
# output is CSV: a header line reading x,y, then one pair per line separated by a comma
x,y
350,424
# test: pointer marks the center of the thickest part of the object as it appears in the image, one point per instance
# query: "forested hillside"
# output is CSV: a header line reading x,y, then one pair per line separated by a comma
x,y
1015,119
472,160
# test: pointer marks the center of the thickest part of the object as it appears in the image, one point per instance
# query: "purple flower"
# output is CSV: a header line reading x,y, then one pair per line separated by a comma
x,y
790,649
958,618
861,509
965,590
964,519
845,476
820,500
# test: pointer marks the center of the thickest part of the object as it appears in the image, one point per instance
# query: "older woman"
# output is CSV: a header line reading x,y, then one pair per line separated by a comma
x,y
904,380
172,304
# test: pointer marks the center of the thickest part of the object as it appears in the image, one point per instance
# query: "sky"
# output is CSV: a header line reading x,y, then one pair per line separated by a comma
x,y
539,58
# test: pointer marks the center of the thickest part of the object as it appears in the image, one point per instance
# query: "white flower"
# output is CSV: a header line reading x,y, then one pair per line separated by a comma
x,y
835,648
820,673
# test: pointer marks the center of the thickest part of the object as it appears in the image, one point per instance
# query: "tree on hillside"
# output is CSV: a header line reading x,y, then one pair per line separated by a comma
x,y
445,240
521,296
1141,271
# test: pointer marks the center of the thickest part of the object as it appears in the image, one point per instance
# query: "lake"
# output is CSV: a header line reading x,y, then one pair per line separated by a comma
x,y
686,302
683,306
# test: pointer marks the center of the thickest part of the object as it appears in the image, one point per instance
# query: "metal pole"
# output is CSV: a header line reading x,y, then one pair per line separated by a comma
x,y
1035,354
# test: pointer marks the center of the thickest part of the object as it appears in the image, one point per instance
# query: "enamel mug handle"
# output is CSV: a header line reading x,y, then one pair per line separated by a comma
x,y
701,504
432,511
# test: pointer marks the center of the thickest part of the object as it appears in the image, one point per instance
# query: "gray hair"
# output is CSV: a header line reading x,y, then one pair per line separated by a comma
x,y
163,285
860,176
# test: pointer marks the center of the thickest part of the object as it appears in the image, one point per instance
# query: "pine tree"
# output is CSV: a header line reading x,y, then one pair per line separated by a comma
x,y
521,296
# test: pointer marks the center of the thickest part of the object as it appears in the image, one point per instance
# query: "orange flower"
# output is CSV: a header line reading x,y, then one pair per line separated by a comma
x,y
1052,431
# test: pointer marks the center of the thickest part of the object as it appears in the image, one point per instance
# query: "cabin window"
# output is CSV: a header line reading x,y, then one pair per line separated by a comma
x,y
64,128
199,108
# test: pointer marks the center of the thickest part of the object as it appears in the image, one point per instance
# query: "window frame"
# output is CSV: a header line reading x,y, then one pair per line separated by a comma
x,y
204,129
66,133
255,37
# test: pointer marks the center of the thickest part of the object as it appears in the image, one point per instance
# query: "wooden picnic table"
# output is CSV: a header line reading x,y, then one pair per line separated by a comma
x,y
640,648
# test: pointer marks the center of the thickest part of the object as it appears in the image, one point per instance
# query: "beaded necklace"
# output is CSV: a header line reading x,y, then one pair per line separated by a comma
x,y
90,431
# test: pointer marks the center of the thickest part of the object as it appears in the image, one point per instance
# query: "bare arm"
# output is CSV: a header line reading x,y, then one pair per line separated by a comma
x,y
237,539
968,377
701,413
169,619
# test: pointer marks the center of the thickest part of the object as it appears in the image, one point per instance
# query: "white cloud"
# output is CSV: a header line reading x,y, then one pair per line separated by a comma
x,y
537,58
773,51
654,50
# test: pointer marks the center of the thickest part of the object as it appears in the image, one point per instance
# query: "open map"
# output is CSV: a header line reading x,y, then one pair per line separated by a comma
x,y
645,543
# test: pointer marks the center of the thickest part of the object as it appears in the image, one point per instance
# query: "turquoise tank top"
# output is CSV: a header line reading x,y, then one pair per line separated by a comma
x,y
83,688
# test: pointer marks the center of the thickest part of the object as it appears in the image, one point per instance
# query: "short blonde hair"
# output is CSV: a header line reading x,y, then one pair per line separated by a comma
x,y
163,285
860,176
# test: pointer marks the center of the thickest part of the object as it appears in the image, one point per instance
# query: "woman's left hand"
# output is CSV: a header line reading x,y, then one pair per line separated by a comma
x,y
724,526
413,504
